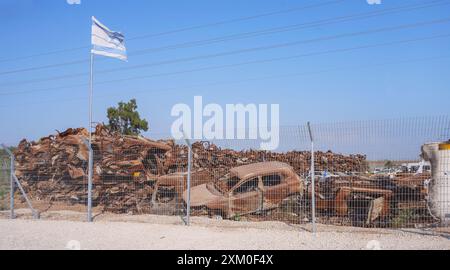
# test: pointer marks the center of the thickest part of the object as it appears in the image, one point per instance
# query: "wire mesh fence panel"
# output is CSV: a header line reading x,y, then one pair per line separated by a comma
x,y
388,173
275,177
233,179
389,186
136,175
53,172
169,177
4,180
126,170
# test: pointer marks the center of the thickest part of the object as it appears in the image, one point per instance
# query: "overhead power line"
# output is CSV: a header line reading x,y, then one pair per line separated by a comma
x,y
279,45
239,64
186,29
241,19
294,27
269,31
219,83
241,51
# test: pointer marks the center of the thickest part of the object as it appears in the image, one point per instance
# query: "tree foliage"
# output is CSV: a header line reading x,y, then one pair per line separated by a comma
x,y
389,164
125,119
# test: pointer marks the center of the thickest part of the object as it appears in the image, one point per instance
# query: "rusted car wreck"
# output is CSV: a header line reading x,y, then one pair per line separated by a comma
x,y
368,200
171,186
362,200
247,189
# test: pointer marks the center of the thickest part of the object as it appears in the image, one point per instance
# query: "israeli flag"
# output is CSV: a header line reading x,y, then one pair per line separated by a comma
x,y
106,42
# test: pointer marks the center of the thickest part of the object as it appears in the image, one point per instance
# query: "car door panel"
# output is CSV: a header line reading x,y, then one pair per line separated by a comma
x,y
246,201
274,191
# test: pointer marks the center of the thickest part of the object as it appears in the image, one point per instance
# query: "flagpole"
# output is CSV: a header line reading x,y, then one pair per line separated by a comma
x,y
102,41
91,155
91,90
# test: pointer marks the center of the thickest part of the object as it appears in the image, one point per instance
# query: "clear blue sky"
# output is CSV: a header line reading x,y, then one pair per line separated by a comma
x,y
340,86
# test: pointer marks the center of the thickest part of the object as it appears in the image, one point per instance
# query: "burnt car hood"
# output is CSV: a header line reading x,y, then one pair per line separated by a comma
x,y
201,195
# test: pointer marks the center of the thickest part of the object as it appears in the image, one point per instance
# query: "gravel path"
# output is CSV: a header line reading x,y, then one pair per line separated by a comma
x,y
136,232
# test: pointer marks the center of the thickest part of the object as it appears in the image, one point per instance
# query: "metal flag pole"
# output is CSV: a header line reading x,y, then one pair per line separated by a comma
x,y
91,156
91,91
111,44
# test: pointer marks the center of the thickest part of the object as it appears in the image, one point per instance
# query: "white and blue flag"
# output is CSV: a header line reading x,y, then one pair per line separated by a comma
x,y
106,42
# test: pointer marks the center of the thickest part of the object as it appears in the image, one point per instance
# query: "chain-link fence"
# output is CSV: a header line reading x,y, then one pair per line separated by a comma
x,y
368,173
4,180
392,187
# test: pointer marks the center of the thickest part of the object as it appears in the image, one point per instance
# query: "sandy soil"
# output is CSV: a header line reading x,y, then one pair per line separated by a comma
x,y
68,230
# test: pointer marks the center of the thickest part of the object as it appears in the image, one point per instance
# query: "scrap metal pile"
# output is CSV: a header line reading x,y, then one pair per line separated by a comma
x,y
220,161
55,167
374,200
129,170
126,168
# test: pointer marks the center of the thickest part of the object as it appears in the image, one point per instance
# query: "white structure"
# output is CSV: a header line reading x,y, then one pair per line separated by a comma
x,y
439,188
425,166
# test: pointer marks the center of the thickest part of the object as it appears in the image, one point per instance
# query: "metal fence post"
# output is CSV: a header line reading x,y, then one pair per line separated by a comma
x,y
312,171
90,170
13,183
188,200
12,186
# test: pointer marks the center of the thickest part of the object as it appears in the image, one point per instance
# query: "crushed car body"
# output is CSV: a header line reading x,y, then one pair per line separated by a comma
x,y
247,189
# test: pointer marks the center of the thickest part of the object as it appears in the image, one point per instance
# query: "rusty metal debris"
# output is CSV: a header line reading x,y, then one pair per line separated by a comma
x,y
127,168
220,161
247,189
374,199
55,168
137,175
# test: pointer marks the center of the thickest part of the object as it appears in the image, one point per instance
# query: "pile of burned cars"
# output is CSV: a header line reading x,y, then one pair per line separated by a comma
x,y
345,198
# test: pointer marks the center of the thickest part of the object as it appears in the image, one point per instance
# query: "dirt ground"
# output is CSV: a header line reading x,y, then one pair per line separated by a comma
x,y
68,230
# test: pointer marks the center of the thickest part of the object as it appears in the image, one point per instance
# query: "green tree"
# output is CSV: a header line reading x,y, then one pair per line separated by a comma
x,y
125,119
388,164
